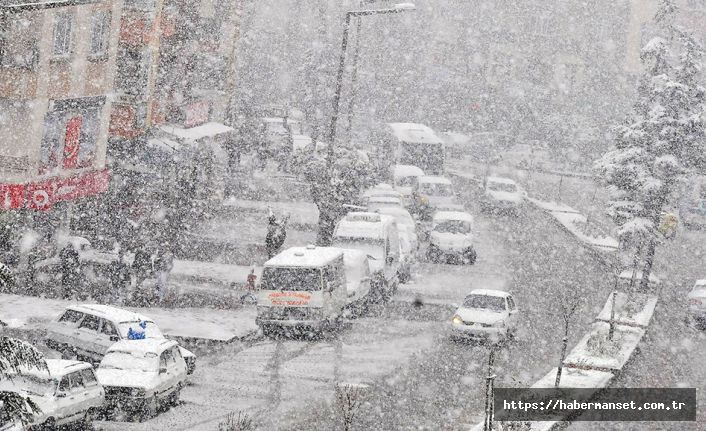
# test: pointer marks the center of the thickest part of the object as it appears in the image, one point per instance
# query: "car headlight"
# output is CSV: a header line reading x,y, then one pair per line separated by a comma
x,y
457,320
137,392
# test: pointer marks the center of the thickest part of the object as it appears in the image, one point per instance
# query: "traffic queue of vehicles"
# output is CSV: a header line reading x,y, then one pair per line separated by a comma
x,y
123,363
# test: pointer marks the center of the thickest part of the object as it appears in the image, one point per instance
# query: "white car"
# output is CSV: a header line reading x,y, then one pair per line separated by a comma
x,y
502,194
405,221
432,193
697,302
381,190
142,376
88,330
451,237
485,315
66,393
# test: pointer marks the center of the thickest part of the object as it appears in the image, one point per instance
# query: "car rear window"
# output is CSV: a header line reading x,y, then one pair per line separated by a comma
x,y
71,316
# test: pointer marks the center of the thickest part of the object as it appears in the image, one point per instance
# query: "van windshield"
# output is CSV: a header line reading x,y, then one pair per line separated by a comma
x,y
293,279
486,302
133,361
372,247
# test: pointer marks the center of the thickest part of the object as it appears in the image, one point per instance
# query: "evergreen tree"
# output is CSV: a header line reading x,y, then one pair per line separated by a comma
x,y
15,356
660,141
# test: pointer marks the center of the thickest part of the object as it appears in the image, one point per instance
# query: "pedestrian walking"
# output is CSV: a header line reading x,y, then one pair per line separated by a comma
x,y
276,234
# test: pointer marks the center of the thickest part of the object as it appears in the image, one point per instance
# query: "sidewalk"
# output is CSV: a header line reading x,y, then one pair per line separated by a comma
x,y
203,324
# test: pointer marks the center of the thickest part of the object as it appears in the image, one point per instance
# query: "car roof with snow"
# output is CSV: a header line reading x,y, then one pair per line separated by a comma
x,y
309,257
143,346
433,179
363,225
489,292
108,312
627,275
440,216
57,368
397,213
407,171
501,180
700,283
413,132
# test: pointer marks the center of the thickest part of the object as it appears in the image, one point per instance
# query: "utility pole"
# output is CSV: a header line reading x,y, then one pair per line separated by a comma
x,y
489,398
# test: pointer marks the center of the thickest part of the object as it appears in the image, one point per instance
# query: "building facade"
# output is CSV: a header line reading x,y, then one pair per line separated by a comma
x,y
57,62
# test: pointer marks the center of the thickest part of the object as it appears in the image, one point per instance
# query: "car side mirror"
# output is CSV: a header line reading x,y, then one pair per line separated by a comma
x,y
114,338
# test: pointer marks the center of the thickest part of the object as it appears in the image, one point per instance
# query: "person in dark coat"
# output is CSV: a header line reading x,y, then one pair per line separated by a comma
x,y
70,267
276,235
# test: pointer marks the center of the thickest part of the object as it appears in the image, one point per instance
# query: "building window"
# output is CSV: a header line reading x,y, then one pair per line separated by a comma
x,y
20,48
63,23
100,33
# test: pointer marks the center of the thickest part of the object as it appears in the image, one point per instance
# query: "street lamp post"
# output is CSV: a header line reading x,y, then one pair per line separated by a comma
x,y
398,8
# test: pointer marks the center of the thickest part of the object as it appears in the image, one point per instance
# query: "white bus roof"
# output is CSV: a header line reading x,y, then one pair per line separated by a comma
x,y
363,225
440,216
407,171
309,257
412,132
429,179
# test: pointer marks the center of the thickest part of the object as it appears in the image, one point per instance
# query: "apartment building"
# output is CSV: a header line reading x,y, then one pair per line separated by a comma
x,y
57,62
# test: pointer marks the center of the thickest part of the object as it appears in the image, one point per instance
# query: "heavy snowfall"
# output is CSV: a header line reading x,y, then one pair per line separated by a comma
x,y
351,214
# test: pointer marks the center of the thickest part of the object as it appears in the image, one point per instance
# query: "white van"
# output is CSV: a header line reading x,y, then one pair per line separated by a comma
x,y
405,176
378,237
302,287
433,193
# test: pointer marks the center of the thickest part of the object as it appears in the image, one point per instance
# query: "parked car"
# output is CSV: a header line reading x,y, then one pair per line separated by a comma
x,y
142,376
88,330
67,393
451,237
697,302
485,315
405,177
502,194
405,222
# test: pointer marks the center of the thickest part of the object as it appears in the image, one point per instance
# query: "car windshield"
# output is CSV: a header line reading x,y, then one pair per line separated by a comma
x,y
131,361
487,302
437,189
372,247
151,329
30,384
293,279
502,187
453,226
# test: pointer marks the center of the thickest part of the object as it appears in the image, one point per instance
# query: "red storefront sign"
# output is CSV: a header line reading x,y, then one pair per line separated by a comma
x,y
42,195
71,142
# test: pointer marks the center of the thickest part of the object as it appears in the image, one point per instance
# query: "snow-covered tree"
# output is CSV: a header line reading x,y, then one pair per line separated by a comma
x,y
660,141
16,355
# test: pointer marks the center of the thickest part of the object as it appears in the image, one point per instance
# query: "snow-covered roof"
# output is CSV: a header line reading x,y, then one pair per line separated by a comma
x,y
502,180
398,213
148,345
198,132
490,292
412,132
108,312
57,368
701,282
407,171
430,179
627,275
363,225
385,199
309,256
452,215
